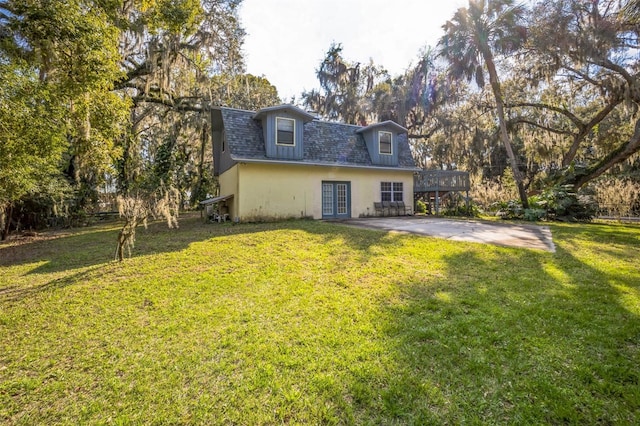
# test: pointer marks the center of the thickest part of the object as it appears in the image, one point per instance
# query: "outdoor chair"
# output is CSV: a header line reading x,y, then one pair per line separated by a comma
x,y
404,209
378,209
392,207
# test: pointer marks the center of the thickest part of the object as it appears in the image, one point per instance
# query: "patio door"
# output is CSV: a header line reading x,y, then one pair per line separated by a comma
x,y
336,200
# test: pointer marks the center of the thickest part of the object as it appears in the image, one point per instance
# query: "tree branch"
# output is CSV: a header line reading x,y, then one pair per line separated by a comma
x,y
540,126
177,104
539,105
586,129
616,156
606,63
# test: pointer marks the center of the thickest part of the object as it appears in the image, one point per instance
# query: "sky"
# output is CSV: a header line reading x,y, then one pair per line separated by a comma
x,y
287,39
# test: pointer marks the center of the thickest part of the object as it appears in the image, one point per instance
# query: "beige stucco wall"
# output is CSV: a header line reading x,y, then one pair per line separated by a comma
x,y
229,186
283,191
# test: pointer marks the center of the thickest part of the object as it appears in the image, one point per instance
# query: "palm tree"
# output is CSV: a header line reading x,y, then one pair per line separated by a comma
x,y
471,38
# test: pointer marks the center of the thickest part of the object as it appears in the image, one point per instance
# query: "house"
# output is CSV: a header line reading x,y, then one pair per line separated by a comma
x,y
283,162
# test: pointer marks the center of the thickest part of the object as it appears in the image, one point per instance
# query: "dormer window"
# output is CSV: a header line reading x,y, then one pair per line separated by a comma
x,y
285,131
384,139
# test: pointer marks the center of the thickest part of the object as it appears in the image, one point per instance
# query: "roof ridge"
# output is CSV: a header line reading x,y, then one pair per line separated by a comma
x,y
233,109
317,119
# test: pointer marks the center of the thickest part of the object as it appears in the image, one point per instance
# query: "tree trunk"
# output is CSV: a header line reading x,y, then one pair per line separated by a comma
x,y
203,143
615,157
504,135
585,129
120,247
8,212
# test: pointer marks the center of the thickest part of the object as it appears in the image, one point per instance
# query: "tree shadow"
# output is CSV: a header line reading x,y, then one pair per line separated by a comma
x,y
78,252
15,293
554,343
459,333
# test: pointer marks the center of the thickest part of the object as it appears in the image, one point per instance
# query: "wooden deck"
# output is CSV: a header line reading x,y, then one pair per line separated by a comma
x,y
432,185
441,181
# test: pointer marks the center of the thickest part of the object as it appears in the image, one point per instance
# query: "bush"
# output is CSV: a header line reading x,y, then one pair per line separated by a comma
x,y
511,209
534,215
421,207
462,210
560,203
564,204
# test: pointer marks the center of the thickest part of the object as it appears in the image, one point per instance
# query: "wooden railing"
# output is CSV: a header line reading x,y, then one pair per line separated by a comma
x,y
440,180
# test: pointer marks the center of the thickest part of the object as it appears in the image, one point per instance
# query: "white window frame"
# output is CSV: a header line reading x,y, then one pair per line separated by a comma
x,y
380,133
294,131
394,194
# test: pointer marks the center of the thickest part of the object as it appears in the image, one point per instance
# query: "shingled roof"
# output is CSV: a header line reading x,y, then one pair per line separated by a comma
x,y
325,143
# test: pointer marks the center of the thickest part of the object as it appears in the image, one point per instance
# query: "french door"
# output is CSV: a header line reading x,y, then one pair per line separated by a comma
x,y
336,200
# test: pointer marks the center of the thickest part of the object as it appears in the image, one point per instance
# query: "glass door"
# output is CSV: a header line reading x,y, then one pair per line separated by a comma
x,y
336,200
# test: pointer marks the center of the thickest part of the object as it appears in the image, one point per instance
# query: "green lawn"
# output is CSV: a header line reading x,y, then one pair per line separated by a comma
x,y
312,322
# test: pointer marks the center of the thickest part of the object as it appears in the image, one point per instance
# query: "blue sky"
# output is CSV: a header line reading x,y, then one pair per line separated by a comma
x,y
287,39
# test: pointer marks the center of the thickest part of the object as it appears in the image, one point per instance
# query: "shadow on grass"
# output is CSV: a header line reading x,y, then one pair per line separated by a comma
x,y
550,342
15,293
409,330
73,252
77,254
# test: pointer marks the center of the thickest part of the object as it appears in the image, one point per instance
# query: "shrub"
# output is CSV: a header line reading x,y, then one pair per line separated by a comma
x,y
564,204
462,210
534,215
421,207
560,203
510,210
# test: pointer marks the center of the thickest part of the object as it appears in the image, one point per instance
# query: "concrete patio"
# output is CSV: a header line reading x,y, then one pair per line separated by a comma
x,y
501,234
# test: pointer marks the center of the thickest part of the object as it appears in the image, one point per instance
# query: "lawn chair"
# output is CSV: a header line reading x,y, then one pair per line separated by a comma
x,y
391,206
378,209
403,209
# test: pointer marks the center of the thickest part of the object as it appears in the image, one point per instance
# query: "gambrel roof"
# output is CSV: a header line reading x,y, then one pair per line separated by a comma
x,y
325,143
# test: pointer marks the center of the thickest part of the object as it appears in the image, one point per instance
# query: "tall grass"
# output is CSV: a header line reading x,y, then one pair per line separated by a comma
x,y
618,197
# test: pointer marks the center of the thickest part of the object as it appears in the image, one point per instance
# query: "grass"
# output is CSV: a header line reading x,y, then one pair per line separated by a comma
x,y
318,323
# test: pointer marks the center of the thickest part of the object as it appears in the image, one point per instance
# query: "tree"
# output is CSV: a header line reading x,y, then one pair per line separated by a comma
x,y
136,207
115,70
71,59
471,38
244,91
345,89
585,59
29,148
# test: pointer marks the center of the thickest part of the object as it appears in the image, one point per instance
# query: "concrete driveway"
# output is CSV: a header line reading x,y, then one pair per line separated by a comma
x,y
502,234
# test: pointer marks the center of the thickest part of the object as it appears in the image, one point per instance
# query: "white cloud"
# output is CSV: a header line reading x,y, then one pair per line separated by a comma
x,y
287,39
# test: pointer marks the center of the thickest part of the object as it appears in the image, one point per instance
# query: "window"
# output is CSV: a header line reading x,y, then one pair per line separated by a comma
x,y
385,142
341,190
285,133
391,191
327,199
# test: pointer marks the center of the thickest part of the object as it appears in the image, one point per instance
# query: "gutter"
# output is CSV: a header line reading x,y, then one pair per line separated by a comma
x,y
341,165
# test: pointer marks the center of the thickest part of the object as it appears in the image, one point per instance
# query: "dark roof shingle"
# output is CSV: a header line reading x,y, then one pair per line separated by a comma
x,y
324,142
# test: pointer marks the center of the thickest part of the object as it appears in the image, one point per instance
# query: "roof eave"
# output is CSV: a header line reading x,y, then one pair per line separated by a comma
x,y
395,126
319,164
306,117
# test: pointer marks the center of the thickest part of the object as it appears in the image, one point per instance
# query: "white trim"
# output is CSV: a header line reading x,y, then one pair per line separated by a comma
x,y
392,190
380,133
333,165
294,131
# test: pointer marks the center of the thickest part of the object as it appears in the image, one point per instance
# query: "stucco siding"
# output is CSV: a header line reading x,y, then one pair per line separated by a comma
x,y
282,191
229,186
